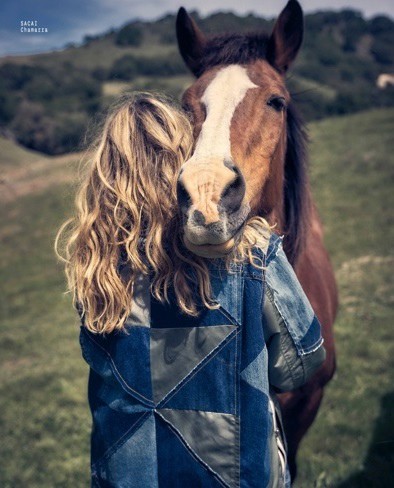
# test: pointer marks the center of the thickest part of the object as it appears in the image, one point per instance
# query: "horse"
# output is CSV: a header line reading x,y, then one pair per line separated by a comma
x,y
250,158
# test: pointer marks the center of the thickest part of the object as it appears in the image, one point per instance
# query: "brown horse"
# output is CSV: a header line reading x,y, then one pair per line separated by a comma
x,y
250,159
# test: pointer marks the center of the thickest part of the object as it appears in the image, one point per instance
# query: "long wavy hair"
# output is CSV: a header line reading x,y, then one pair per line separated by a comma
x,y
126,217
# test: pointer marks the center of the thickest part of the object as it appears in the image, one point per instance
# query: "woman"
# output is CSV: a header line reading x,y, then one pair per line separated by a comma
x,y
185,353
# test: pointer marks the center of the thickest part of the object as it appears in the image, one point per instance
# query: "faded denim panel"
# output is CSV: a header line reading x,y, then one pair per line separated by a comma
x,y
110,425
110,356
213,437
254,373
134,464
227,289
176,352
312,339
291,301
253,341
214,387
188,470
255,435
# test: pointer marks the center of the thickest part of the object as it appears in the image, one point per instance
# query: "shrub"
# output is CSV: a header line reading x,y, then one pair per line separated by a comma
x,y
382,51
124,68
50,134
9,102
40,88
128,67
129,35
16,76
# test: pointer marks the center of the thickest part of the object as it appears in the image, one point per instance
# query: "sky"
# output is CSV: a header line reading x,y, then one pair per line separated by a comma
x,y
70,20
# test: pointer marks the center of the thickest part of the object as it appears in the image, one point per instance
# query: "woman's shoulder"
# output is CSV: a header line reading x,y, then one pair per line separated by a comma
x,y
275,244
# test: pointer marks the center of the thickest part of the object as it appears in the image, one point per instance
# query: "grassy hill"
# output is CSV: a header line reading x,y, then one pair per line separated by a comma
x,y
47,100
45,422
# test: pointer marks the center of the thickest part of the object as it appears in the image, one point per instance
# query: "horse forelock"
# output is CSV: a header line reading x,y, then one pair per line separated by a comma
x,y
229,49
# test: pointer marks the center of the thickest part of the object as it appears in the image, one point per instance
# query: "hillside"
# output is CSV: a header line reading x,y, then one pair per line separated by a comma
x,y
45,420
47,100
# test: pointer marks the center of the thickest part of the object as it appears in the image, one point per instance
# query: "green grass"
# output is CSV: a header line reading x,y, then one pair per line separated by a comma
x,y
352,176
13,157
45,422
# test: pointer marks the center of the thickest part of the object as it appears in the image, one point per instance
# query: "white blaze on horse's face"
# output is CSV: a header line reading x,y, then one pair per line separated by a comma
x,y
211,188
220,99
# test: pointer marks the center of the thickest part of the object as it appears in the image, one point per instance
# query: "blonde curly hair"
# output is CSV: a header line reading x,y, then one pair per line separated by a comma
x,y
127,213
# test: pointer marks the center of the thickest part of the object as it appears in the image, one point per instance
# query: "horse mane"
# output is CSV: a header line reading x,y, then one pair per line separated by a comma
x,y
228,49
297,198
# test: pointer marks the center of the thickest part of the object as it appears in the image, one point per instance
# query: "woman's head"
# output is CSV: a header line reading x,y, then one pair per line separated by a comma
x,y
144,142
126,211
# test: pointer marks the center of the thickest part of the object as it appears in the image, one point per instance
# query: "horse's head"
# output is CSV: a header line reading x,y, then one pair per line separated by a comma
x,y
239,108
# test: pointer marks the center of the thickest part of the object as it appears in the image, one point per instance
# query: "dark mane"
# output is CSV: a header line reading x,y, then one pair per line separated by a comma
x,y
233,49
297,199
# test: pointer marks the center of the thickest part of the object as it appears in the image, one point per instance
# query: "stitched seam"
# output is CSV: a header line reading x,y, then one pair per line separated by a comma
x,y
228,315
237,455
313,348
122,380
118,444
291,375
275,246
281,346
295,338
193,372
191,451
224,311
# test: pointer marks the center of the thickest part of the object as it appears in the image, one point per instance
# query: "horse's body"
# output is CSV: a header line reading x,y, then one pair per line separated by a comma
x,y
249,159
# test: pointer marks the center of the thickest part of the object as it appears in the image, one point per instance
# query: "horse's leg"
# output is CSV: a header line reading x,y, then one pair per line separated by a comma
x,y
299,408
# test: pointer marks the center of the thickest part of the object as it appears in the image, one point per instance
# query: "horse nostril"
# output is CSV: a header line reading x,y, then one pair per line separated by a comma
x,y
234,193
230,165
198,217
182,195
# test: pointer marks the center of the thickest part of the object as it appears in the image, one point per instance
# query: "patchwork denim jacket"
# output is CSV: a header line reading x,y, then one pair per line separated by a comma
x,y
180,401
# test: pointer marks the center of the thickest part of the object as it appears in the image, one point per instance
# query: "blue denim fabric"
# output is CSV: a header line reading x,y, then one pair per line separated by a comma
x,y
183,401
291,301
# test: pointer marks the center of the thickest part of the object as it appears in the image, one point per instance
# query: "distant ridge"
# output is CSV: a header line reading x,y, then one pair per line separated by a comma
x,y
48,99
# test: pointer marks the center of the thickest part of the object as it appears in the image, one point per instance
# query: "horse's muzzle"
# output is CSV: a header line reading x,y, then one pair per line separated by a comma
x,y
211,200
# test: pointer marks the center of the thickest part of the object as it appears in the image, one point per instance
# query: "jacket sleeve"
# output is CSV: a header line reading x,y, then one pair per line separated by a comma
x,y
291,328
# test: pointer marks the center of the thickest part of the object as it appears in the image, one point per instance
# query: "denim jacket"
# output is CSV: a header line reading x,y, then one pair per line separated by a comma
x,y
181,401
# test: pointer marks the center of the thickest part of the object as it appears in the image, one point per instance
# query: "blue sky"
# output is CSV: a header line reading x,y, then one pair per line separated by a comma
x,y
69,20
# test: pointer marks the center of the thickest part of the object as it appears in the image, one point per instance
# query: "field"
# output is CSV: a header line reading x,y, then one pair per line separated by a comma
x,y
45,422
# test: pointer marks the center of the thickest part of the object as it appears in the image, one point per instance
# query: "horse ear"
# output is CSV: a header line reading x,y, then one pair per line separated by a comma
x,y
286,37
191,41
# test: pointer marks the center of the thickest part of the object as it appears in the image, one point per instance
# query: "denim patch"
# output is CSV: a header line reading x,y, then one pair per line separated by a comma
x,y
190,471
312,340
141,447
254,374
212,437
291,301
212,387
175,353
227,289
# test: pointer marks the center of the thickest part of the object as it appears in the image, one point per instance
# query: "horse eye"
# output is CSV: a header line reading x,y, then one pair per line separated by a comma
x,y
277,103
186,107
